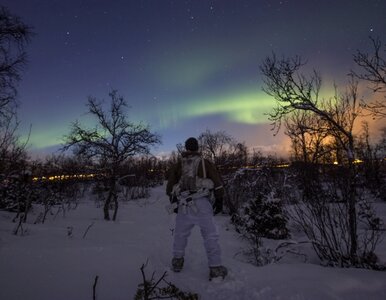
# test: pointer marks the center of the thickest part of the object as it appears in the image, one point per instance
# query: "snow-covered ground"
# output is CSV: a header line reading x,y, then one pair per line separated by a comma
x,y
47,263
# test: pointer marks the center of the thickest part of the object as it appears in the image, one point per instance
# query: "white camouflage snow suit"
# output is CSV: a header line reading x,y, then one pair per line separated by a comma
x,y
190,179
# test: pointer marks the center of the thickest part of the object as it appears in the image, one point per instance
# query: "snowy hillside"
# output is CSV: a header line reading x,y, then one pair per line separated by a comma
x,y
54,261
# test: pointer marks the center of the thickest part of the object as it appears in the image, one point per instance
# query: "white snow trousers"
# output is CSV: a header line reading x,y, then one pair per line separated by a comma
x,y
203,217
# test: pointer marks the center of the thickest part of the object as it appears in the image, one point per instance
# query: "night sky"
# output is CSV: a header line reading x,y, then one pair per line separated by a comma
x,y
183,66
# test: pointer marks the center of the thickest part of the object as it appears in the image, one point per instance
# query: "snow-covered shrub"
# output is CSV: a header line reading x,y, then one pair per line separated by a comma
x,y
264,217
259,218
246,184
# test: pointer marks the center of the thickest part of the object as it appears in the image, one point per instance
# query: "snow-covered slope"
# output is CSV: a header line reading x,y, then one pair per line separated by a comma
x,y
48,263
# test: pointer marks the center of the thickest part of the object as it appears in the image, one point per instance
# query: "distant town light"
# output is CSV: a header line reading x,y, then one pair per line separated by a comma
x,y
63,177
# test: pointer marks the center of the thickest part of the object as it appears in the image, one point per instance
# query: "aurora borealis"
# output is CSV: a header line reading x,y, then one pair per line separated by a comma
x,y
183,66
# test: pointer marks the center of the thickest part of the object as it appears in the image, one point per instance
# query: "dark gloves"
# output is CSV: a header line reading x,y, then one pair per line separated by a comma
x,y
173,199
217,206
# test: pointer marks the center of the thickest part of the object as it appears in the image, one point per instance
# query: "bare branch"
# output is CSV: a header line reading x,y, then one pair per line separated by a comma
x,y
373,71
14,35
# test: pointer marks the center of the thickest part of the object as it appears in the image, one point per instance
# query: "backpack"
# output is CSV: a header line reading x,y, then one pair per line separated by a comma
x,y
189,170
190,184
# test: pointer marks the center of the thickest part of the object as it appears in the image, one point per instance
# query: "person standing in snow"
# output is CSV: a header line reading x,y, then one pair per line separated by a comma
x,y
191,183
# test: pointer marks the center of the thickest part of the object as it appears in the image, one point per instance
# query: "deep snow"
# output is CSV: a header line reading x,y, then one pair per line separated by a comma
x,y
48,264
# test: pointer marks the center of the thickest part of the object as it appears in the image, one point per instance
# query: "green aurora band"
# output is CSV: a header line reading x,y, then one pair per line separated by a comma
x,y
241,105
247,107
47,137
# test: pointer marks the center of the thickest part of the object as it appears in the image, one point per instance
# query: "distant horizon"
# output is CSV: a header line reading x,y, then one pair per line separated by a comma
x,y
272,150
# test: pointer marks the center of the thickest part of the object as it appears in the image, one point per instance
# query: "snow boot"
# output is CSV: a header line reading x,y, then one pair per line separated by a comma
x,y
216,272
177,264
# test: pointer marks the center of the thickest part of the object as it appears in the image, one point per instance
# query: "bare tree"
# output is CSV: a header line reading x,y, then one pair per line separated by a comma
x,y
238,155
112,141
12,151
294,91
380,154
14,35
382,143
371,161
373,71
214,144
308,136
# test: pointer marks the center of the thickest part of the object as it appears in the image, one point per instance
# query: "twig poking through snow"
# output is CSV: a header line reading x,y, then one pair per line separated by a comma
x,y
94,287
88,228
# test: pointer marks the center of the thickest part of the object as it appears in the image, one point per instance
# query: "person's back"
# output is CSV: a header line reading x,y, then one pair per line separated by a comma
x,y
191,182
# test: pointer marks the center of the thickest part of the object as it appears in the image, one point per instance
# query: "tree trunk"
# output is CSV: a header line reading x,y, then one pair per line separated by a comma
x,y
352,215
115,198
107,205
112,197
